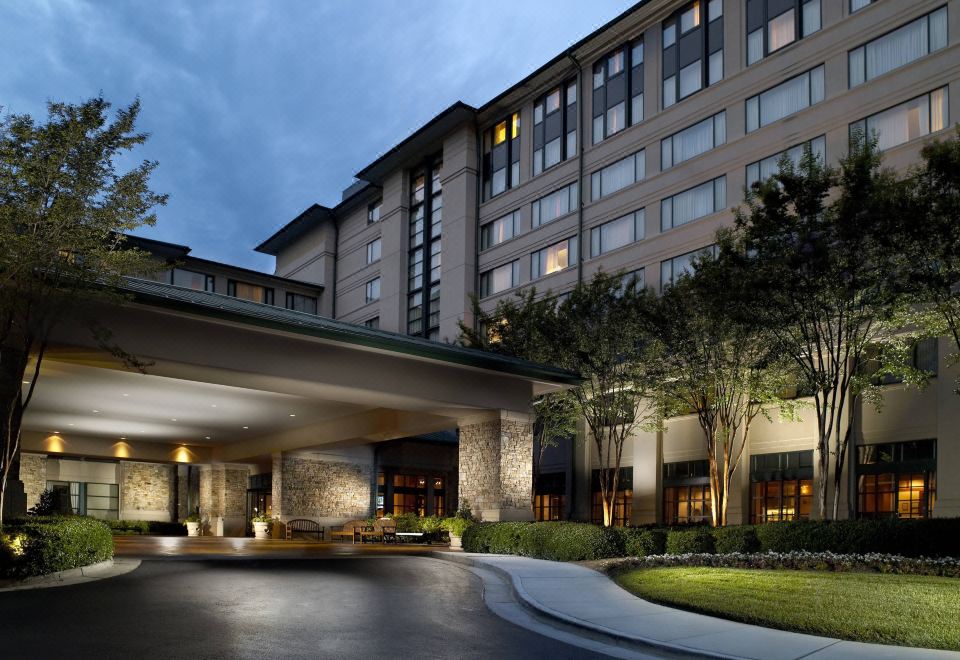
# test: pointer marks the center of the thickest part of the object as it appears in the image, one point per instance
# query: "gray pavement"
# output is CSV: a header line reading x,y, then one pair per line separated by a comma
x,y
336,607
584,599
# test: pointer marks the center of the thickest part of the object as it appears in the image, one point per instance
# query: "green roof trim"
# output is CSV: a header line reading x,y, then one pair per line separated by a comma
x,y
215,305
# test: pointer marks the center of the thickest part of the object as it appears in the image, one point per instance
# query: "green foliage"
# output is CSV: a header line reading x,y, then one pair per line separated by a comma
x,y
192,518
738,538
262,518
643,542
933,537
128,526
408,522
558,541
686,541
456,525
46,504
48,545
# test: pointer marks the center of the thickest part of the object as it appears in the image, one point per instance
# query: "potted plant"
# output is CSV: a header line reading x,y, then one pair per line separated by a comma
x,y
262,523
193,524
455,527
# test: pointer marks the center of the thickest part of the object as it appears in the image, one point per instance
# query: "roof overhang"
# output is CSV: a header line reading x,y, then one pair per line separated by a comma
x,y
295,229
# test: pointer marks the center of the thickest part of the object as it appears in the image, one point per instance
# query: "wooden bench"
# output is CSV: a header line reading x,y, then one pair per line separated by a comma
x,y
386,529
305,526
352,529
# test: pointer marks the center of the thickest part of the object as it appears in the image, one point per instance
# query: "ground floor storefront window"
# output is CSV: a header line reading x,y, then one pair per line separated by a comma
x,y
622,505
418,494
550,500
686,492
781,486
897,480
90,499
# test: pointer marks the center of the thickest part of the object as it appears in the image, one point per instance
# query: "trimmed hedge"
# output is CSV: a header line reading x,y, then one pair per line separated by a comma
x,y
559,541
569,541
42,545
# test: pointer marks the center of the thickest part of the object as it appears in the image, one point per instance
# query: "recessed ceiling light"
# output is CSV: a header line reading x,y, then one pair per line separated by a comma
x,y
292,415
125,394
173,419
70,424
213,405
55,432
26,382
246,427
123,437
95,411
206,437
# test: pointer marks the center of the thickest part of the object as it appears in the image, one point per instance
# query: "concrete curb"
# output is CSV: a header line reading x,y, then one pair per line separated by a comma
x,y
98,571
537,608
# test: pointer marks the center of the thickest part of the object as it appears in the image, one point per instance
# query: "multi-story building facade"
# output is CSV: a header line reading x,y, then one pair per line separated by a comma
x,y
625,153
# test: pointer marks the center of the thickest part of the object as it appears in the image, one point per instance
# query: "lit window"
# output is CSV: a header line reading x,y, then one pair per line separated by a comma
x,y
501,157
252,292
617,98
908,121
685,75
555,127
773,24
553,259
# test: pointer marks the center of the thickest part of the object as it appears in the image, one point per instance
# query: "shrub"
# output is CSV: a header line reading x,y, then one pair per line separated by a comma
x,y
742,538
456,525
687,541
128,526
431,525
643,542
46,504
559,541
935,537
408,522
48,545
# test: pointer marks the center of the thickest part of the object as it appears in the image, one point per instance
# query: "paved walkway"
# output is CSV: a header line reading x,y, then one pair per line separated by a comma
x,y
581,597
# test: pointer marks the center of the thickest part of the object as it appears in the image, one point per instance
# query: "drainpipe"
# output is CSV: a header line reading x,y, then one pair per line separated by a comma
x,y
581,137
336,255
476,232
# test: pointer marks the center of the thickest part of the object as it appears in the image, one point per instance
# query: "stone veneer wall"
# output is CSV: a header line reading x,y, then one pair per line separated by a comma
x,y
496,464
316,489
147,491
223,491
33,474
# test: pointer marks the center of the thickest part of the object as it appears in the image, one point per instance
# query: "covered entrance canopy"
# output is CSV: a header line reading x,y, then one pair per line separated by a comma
x,y
238,386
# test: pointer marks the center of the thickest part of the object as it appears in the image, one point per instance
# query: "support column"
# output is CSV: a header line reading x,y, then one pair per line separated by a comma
x,y
223,490
496,465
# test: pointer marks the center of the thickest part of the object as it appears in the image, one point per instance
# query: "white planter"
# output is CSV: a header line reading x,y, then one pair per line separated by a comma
x,y
456,542
193,529
261,530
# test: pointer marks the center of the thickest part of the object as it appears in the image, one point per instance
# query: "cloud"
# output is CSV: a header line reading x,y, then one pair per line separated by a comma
x,y
257,109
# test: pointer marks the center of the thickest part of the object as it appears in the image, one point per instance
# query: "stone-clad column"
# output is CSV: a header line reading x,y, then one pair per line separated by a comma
x,y
496,465
223,507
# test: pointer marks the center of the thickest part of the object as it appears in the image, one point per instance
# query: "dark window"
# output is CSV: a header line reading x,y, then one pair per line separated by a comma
x,y
773,24
252,292
192,280
301,303
373,323
501,156
622,505
897,479
692,50
555,127
857,5
618,90
424,259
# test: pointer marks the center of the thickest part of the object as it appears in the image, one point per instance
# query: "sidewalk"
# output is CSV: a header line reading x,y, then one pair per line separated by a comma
x,y
581,597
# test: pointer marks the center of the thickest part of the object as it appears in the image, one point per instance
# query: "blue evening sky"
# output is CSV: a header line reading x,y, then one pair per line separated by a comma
x,y
258,109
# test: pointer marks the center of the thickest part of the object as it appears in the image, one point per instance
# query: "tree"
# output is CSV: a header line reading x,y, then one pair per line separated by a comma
x,y
929,245
721,365
826,284
555,420
597,331
64,212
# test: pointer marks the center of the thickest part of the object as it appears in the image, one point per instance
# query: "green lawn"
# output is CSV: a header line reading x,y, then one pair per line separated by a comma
x,y
905,610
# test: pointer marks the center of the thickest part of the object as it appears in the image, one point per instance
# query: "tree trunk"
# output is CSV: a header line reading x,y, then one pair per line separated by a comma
x,y
13,363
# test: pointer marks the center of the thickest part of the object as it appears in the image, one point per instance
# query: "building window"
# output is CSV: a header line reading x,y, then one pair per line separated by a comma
x,y
762,170
686,492
693,140
550,499
781,486
618,175
773,24
501,156
898,48
697,202
373,324
556,204
372,290
857,5
553,259
189,279
925,357
301,303
897,479
373,212
692,50
618,90
252,292
424,258
499,230
90,499
617,233
411,493
785,99
672,269
908,121
373,251
555,127
622,505
500,279
635,279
